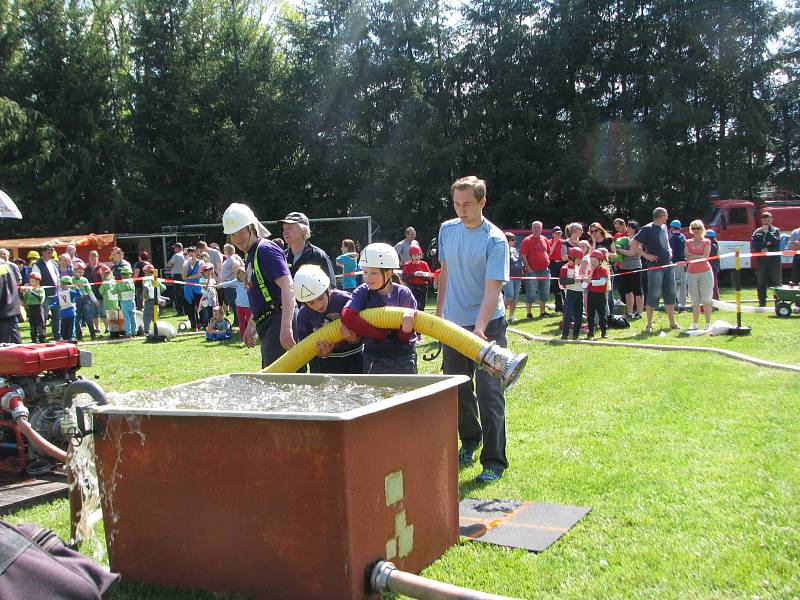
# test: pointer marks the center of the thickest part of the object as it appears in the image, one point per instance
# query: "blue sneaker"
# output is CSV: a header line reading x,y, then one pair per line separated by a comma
x,y
489,475
465,457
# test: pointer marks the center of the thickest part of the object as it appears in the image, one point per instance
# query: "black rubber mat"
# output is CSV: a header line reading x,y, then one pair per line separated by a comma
x,y
516,523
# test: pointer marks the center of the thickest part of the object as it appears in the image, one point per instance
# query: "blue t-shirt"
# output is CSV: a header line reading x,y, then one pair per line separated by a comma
x,y
349,265
515,265
677,241
273,266
473,256
400,296
655,240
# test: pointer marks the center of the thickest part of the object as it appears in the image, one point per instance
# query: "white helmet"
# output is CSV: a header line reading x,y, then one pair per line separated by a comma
x,y
379,256
238,216
310,282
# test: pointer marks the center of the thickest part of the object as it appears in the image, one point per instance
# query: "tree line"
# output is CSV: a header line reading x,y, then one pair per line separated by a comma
x,y
126,115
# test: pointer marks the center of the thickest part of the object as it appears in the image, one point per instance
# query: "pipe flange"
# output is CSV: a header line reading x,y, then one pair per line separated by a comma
x,y
502,363
379,579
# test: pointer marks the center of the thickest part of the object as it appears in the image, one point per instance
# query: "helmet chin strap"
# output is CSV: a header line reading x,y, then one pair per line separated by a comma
x,y
385,281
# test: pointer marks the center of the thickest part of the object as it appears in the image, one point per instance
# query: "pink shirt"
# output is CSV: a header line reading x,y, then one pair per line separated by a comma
x,y
698,247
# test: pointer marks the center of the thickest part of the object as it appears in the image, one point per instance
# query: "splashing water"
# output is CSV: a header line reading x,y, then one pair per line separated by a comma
x,y
246,394
81,461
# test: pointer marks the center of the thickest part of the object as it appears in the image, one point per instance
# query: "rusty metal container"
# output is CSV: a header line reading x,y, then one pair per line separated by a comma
x,y
281,505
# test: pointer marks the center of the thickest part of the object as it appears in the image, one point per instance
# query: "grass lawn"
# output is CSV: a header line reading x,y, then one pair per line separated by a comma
x,y
689,462
772,338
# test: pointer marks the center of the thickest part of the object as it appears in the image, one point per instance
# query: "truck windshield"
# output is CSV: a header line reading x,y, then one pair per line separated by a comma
x,y
712,217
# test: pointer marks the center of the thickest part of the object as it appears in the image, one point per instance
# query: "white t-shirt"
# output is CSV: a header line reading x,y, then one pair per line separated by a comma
x,y
175,264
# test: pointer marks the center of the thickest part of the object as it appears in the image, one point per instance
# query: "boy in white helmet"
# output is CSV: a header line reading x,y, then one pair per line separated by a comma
x,y
269,284
385,351
319,306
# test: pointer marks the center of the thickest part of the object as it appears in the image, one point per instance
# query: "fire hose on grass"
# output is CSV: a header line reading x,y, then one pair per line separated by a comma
x,y
500,362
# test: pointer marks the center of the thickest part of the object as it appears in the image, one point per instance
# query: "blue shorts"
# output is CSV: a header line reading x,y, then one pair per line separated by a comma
x,y
660,282
537,290
511,289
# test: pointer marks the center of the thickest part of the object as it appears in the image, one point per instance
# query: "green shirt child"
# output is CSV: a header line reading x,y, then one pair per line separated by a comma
x,y
108,290
33,296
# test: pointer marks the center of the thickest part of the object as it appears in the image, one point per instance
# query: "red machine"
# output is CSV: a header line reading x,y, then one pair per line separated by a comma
x,y
37,378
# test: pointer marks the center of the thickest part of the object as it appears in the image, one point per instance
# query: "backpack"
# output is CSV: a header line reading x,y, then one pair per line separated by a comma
x,y
618,322
35,563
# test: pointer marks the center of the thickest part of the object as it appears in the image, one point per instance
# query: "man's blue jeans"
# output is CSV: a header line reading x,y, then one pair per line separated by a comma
x,y
481,401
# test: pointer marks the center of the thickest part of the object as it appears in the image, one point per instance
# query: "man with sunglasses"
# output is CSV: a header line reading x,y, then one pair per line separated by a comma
x,y
766,238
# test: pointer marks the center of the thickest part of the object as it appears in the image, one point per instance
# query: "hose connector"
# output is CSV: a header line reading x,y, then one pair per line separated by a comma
x,y
502,363
379,577
12,402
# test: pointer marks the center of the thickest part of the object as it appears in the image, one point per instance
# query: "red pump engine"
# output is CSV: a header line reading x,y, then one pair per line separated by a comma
x,y
39,374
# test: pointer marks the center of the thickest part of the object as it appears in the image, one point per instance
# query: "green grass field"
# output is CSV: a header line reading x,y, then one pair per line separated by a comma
x,y
688,460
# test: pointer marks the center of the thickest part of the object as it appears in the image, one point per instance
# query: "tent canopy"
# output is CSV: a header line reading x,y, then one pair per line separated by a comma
x,y
102,242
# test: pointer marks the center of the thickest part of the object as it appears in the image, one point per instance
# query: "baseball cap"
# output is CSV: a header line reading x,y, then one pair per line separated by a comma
x,y
556,228
35,275
675,223
711,233
295,217
414,249
47,247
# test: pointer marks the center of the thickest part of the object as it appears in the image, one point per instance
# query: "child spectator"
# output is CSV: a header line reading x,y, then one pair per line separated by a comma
x,y
65,300
385,351
596,297
218,327
571,281
243,312
209,300
150,293
87,303
33,297
127,300
417,276
347,261
320,305
516,269
108,290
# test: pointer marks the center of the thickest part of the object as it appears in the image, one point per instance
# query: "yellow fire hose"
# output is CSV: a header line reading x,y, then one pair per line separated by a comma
x,y
499,362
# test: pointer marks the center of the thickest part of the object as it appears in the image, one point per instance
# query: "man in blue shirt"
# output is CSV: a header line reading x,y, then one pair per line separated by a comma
x,y
474,266
652,242
269,284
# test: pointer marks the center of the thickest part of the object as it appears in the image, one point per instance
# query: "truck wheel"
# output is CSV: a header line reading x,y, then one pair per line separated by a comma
x,y
783,309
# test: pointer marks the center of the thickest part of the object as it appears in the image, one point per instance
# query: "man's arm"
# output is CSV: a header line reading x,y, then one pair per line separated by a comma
x,y
491,293
440,296
638,248
287,312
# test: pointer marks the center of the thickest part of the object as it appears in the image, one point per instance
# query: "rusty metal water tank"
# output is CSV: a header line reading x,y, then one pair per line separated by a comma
x,y
281,505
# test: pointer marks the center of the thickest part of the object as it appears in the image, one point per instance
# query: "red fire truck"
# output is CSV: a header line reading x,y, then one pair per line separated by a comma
x,y
734,221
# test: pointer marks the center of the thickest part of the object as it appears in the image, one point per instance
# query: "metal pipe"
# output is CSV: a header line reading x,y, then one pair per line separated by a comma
x,y
385,577
84,386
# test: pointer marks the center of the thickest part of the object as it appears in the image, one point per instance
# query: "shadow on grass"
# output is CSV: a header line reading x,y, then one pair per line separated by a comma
x,y
127,590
